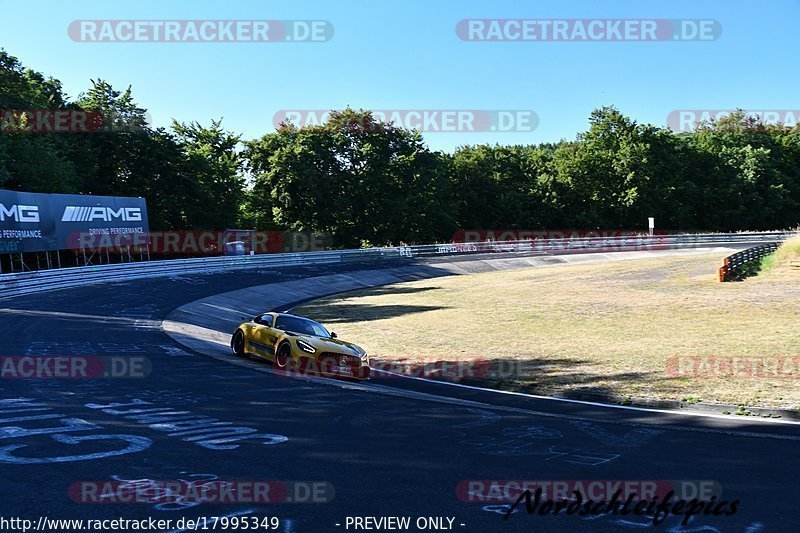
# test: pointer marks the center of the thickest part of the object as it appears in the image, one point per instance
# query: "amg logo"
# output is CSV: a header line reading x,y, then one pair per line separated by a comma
x,y
20,213
74,213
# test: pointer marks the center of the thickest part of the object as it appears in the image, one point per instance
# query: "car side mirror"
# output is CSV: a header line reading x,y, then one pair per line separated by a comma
x,y
333,335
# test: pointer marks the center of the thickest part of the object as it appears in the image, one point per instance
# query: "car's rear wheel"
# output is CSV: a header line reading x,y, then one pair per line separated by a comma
x,y
283,356
237,343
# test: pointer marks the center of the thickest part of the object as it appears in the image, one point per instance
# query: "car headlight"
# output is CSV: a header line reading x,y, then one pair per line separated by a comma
x,y
306,347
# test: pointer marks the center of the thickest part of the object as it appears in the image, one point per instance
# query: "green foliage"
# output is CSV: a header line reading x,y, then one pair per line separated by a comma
x,y
370,183
191,178
767,263
353,177
619,173
213,164
502,186
37,163
751,171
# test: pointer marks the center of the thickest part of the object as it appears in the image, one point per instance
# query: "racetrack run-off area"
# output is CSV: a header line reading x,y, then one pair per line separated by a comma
x,y
614,329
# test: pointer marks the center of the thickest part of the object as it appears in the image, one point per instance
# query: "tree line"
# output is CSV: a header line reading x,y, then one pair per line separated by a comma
x,y
365,182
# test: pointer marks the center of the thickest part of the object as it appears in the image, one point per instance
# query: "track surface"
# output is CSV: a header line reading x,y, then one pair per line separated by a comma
x,y
398,452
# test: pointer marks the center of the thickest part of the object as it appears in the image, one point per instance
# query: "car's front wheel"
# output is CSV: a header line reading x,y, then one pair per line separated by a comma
x,y
283,356
237,343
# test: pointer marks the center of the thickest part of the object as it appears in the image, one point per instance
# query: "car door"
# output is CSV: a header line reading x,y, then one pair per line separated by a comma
x,y
271,334
262,341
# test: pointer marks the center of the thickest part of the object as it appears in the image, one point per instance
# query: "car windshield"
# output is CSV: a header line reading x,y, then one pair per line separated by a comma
x,y
303,326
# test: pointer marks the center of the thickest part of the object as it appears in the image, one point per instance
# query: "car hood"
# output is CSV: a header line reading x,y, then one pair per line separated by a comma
x,y
333,345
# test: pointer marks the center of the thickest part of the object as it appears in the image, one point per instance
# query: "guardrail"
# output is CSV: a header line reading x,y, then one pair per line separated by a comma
x,y
20,283
43,280
741,264
611,244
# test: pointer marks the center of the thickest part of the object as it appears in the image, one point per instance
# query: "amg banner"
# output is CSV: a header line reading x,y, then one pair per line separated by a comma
x,y
33,222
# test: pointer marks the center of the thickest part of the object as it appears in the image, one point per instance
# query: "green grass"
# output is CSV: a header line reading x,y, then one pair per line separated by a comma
x,y
767,263
789,250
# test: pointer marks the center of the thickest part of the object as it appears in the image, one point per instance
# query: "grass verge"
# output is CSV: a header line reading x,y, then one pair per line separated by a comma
x,y
787,251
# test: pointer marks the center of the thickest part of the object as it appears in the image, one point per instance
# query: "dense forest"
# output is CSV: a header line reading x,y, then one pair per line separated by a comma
x,y
369,183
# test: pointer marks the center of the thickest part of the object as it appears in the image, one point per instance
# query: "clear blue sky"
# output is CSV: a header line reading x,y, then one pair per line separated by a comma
x,y
406,55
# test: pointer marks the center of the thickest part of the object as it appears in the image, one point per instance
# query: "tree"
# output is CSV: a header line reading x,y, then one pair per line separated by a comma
x,y
501,187
368,182
214,167
359,179
619,173
37,162
750,173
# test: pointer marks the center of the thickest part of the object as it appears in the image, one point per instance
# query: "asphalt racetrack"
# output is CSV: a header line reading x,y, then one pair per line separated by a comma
x,y
385,448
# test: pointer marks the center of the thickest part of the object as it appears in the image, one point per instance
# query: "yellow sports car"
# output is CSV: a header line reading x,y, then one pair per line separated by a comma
x,y
297,344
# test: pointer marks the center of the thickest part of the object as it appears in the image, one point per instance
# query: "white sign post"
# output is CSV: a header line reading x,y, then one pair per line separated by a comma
x,y
651,223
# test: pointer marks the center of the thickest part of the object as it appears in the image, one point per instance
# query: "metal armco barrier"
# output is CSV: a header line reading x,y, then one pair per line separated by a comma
x,y
736,266
43,280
